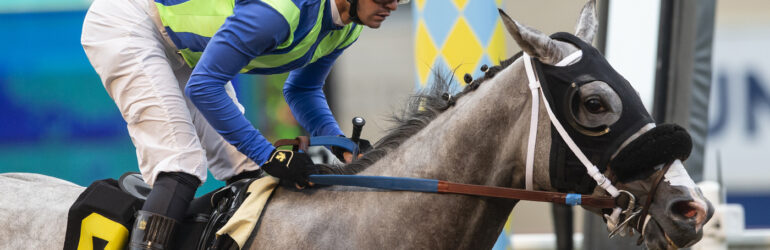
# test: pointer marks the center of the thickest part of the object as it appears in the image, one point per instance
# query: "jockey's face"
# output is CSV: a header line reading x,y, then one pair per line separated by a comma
x,y
373,12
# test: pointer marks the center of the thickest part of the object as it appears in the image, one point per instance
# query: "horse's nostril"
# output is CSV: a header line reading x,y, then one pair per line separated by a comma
x,y
685,208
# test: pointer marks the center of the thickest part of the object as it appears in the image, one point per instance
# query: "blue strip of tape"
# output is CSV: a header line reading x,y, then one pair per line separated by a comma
x,y
333,141
381,182
572,199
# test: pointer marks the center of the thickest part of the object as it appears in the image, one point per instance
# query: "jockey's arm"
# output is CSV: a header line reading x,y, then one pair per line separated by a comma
x,y
252,30
303,92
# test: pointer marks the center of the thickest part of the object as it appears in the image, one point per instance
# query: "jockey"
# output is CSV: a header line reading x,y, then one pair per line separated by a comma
x,y
167,64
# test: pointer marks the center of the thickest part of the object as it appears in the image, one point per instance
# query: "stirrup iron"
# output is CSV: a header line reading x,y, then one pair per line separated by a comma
x,y
151,231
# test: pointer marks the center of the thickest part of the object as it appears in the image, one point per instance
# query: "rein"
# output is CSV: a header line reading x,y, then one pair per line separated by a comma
x,y
446,187
435,186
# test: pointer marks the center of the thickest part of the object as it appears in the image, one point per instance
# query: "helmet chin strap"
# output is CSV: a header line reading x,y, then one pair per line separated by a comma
x,y
613,220
353,11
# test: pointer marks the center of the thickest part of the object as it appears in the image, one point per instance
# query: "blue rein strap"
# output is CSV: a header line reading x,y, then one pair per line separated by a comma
x,y
438,186
381,182
302,142
334,141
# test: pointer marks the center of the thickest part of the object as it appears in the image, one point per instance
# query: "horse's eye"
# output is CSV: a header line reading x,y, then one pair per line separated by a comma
x,y
594,105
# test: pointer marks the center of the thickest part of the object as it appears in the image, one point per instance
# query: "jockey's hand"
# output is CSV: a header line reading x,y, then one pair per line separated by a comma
x,y
291,166
346,156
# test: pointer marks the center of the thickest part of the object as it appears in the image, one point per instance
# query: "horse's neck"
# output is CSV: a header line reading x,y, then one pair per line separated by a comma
x,y
482,140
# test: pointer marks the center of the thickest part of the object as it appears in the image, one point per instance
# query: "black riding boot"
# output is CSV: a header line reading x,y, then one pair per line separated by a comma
x,y
164,208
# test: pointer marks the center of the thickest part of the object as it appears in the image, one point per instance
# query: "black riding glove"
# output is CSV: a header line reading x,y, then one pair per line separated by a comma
x,y
363,147
290,166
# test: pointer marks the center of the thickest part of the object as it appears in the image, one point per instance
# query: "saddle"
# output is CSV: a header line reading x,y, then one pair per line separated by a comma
x,y
133,184
115,202
212,221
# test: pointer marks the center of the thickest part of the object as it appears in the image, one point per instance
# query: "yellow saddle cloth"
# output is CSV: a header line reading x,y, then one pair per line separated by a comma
x,y
244,219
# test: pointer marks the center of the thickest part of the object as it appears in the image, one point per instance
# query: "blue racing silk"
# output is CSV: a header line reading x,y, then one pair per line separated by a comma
x,y
260,37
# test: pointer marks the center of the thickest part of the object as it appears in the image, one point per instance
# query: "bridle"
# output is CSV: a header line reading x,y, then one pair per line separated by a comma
x,y
631,210
643,219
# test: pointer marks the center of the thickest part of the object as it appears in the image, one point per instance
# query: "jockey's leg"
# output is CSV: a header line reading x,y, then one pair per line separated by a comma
x,y
164,208
139,70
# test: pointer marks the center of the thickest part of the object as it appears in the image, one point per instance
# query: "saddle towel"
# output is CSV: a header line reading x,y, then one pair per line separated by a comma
x,y
243,221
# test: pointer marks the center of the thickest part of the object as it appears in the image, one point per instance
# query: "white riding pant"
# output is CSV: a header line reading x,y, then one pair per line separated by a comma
x,y
144,75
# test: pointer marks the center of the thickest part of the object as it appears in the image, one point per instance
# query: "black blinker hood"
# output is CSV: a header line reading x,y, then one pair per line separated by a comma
x,y
557,86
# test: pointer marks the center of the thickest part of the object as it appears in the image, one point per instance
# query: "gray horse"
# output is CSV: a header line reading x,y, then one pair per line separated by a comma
x,y
479,136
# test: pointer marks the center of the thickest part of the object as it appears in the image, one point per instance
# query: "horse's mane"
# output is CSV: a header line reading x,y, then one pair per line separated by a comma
x,y
420,110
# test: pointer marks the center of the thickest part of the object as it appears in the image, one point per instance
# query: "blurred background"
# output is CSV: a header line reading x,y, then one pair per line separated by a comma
x,y
56,119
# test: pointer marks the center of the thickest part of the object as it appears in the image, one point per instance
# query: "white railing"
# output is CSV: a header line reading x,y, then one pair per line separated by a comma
x,y
751,239
541,241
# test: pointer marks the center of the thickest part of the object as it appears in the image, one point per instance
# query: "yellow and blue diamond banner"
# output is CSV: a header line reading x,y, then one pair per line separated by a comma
x,y
456,36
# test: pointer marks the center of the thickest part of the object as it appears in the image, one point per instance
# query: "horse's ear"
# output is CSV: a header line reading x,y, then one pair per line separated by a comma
x,y
587,24
531,41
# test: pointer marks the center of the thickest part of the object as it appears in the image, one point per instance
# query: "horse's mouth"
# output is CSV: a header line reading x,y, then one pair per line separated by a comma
x,y
655,238
680,226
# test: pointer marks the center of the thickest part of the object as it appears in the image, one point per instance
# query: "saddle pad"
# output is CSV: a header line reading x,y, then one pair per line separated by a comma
x,y
245,218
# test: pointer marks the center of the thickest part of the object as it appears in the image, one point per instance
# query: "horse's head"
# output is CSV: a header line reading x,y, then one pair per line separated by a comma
x,y
604,116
